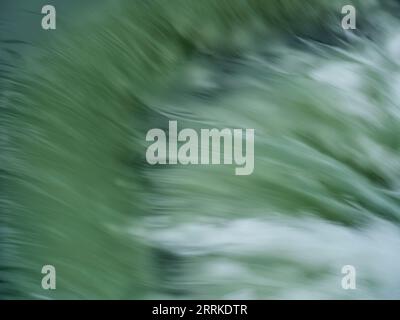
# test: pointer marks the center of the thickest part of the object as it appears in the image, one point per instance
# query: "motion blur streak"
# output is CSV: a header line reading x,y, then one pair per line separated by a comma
x,y
78,194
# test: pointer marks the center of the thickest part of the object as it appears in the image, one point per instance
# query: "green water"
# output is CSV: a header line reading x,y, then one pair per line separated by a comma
x,y
77,192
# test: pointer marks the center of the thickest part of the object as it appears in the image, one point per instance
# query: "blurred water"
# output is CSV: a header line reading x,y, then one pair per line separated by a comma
x,y
324,192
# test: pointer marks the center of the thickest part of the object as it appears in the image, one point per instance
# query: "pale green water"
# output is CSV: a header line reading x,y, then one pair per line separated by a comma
x,y
77,192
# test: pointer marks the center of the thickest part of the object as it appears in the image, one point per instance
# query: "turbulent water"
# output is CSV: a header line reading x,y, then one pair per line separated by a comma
x,y
77,192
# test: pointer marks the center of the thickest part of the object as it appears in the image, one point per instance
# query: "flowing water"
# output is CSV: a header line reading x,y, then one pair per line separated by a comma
x,y
77,192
